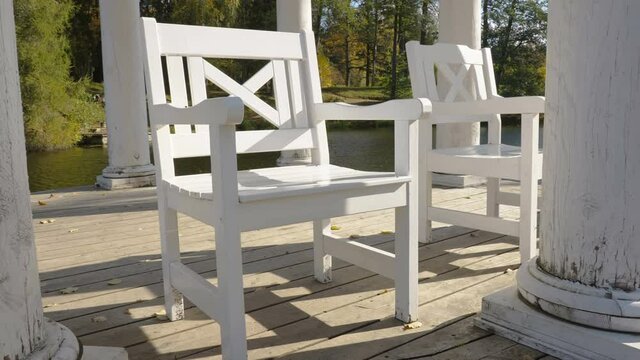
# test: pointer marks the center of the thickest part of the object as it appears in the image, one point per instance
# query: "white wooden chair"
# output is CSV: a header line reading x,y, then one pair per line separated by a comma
x,y
461,85
233,201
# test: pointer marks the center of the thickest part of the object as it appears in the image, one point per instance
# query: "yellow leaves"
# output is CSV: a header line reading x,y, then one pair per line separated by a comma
x,y
412,325
161,315
335,227
42,203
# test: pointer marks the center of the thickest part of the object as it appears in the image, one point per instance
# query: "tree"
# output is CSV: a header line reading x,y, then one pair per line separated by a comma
x,y
56,109
516,31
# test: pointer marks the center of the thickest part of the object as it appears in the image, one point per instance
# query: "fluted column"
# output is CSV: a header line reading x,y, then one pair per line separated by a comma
x,y
294,16
24,332
129,156
588,270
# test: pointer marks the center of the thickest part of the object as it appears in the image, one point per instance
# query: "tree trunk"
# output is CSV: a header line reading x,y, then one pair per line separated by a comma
x,y
394,53
374,57
318,22
424,21
486,6
504,43
368,65
347,60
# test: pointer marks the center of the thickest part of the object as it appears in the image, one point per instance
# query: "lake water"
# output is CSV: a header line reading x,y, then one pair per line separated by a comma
x,y
364,149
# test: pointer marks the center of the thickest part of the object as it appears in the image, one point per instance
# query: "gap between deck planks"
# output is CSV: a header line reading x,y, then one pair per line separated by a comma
x,y
274,280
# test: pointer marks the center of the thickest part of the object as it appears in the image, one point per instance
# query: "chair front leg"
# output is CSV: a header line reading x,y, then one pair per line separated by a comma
x,y
229,269
170,247
321,260
528,187
406,263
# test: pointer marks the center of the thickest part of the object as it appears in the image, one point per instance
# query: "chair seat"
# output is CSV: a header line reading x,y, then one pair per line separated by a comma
x,y
483,151
489,160
270,183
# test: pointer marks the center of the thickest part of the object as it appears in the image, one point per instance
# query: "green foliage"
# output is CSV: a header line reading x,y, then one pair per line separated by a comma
x,y
56,109
516,32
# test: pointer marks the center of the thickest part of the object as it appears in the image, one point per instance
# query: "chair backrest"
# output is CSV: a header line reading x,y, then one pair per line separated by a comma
x,y
450,73
292,66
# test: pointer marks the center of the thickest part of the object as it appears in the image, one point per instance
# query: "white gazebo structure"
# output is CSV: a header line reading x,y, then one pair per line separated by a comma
x,y
588,270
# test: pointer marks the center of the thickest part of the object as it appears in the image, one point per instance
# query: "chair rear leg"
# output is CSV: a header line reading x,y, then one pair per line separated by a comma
x,y
426,191
493,191
170,245
321,260
229,269
406,262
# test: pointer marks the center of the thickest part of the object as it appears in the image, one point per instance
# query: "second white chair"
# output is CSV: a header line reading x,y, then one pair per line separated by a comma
x,y
461,85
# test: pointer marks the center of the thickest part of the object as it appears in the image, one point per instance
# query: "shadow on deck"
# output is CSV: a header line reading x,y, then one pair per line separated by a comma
x,y
101,276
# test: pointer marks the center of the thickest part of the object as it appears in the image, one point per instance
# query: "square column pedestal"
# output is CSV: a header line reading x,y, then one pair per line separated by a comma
x,y
457,181
507,315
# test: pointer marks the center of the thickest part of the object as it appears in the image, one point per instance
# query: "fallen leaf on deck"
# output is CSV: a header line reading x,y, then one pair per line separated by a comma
x,y
412,325
73,230
467,197
335,227
161,315
49,305
508,271
41,203
69,290
385,232
354,236
474,234
99,319
47,221
114,282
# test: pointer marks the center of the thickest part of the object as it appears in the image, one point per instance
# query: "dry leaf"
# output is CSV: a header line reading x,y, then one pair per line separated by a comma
x,y
114,282
386,232
99,319
412,325
47,221
69,290
335,227
41,203
354,236
49,305
161,315
73,230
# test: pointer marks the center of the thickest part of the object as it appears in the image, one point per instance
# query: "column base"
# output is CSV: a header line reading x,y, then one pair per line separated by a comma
x,y
457,181
115,178
507,314
295,157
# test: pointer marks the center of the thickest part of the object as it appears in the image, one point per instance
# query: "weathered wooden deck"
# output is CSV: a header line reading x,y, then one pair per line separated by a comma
x,y
103,249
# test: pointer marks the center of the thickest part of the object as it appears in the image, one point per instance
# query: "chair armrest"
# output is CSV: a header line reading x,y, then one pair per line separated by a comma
x,y
514,105
403,109
216,111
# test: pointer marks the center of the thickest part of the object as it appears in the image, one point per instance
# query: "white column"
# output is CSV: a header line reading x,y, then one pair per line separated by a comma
x,y
588,270
129,157
294,16
459,23
23,329
590,228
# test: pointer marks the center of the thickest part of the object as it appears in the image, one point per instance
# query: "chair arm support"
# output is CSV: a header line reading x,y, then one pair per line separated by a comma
x,y
216,111
403,109
513,105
